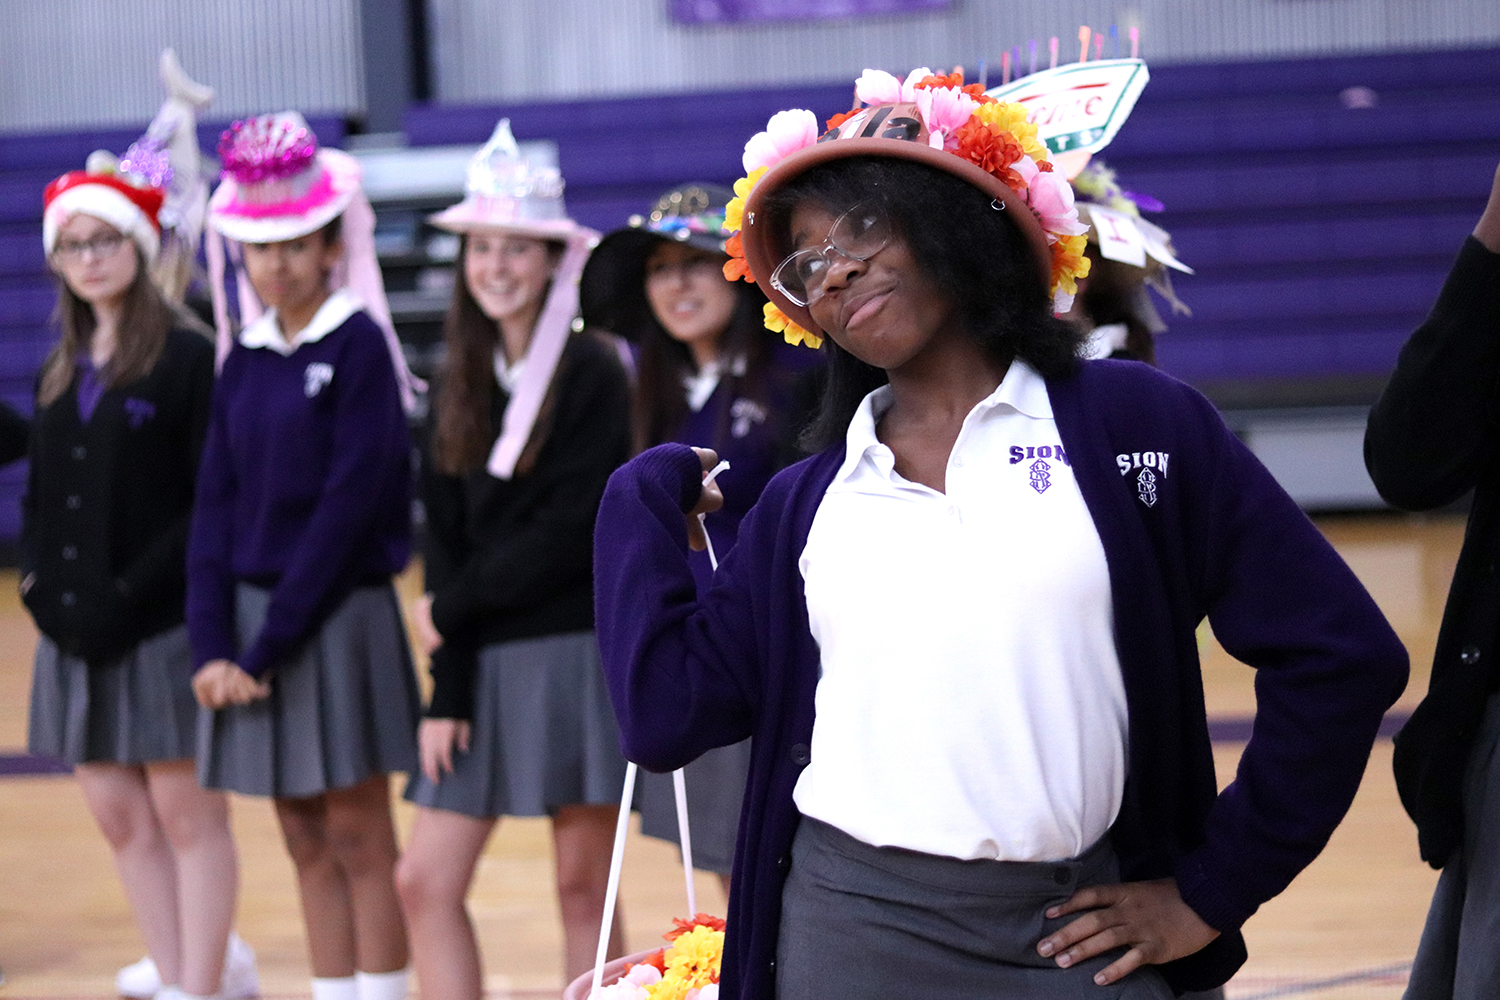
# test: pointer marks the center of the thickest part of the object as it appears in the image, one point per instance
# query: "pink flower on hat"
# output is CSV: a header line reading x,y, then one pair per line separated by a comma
x,y
786,132
944,110
876,86
1051,198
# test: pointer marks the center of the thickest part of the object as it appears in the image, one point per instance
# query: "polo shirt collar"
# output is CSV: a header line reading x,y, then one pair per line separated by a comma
x,y
265,330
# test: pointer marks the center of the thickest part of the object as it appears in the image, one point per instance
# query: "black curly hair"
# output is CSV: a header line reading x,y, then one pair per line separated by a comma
x,y
959,241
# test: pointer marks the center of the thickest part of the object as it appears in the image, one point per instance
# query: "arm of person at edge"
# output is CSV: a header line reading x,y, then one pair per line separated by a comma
x,y
681,668
210,594
371,457
534,560
445,727
1327,667
1434,429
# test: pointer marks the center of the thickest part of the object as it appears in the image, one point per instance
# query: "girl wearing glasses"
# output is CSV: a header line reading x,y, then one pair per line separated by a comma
x,y
706,374
963,634
303,513
121,409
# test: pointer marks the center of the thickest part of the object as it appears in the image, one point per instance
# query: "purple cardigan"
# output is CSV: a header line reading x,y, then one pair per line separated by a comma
x,y
1192,526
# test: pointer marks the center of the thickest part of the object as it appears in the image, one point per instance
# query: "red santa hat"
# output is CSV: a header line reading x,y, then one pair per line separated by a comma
x,y
102,192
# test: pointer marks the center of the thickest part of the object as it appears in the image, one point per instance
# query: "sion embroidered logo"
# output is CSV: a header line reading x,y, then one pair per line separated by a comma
x,y
1152,465
1039,472
318,375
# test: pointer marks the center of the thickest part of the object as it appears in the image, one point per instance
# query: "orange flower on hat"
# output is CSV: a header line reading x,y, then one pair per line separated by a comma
x,y
1007,116
842,117
990,151
736,268
779,322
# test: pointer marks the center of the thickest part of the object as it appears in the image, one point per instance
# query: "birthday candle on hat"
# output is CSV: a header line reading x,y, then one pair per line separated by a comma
x,y
1083,43
1052,48
1005,67
1098,45
1033,56
1114,42
1135,43
984,75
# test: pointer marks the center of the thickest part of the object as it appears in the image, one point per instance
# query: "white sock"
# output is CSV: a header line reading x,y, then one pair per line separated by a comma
x,y
340,988
185,995
382,985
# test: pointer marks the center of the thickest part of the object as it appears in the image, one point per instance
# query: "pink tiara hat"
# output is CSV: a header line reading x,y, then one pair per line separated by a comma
x,y
278,185
504,193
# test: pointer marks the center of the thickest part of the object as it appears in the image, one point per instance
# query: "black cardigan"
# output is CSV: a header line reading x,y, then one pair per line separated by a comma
x,y
105,516
511,559
1433,436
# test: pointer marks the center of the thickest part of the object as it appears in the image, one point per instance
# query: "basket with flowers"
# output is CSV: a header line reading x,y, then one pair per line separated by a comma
x,y
687,969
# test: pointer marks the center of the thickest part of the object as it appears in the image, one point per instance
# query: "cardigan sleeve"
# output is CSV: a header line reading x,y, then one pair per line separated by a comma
x,y
15,433
452,665
210,592
514,569
1437,424
159,566
1280,599
680,670
371,456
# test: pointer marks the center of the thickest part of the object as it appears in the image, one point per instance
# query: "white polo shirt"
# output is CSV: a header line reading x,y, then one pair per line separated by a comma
x,y
970,702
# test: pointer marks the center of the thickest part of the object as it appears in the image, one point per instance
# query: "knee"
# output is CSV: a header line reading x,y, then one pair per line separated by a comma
x,y
360,849
581,885
306,844
125,827
191,828
422,889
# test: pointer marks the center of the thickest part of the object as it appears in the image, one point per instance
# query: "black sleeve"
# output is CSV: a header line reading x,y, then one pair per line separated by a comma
x,y
453,667
162,565
1437,425
15,434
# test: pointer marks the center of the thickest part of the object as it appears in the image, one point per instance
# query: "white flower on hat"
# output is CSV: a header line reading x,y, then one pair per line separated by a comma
x,y
786,132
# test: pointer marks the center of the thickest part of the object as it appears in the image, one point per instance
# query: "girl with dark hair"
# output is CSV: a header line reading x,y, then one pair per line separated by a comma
x,y
528,421
705,374
963,634
302,516
122,405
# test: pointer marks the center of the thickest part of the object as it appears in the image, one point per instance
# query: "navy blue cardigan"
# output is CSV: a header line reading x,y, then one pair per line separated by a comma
x,y
1192,526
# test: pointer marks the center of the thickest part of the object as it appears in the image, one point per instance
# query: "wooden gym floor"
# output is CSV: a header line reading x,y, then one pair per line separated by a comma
x,y
1346,928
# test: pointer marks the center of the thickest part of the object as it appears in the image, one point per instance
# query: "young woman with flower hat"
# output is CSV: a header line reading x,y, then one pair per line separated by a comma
x,y
963,635
705,374
302,516
527,422
121,409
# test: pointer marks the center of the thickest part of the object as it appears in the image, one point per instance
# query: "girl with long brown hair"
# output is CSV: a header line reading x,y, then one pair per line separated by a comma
x,y
529,419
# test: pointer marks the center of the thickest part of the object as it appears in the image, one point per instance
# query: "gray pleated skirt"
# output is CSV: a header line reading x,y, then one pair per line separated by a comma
x,y
543,734
1459,954
342,709
715,786
137,710
877,923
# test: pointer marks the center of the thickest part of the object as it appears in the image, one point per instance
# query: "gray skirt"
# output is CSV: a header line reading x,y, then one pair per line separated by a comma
x,y
1458,957
342,709
543,734
715,786
138,709
877,923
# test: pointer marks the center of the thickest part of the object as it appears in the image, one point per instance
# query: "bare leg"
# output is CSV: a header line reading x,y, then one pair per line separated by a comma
x,y
363,839
320,881
118,797
196,822
582,837
433,878
724,883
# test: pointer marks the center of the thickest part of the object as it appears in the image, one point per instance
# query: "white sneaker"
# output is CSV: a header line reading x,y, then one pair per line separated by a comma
x,y
141,980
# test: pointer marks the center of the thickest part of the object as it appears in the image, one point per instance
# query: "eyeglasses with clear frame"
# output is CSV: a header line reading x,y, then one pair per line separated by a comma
x,y
100,247
858,234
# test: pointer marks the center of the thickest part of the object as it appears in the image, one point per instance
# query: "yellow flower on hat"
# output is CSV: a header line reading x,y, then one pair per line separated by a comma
x,y
1007,116
734,212
779,322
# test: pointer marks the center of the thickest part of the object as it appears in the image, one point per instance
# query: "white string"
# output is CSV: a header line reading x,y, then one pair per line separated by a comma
x,y
685,839
713,560
616,862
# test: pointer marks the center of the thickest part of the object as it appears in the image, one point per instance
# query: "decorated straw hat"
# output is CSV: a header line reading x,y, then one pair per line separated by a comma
x,y
613,290
277,183
506,192
928,119
130,203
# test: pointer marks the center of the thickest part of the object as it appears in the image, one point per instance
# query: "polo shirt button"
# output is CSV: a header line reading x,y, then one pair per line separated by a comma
x,y
70,552
75,501
953,509
69,599
773,965
783,863
80,452
1061,875
801,754
1469,655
